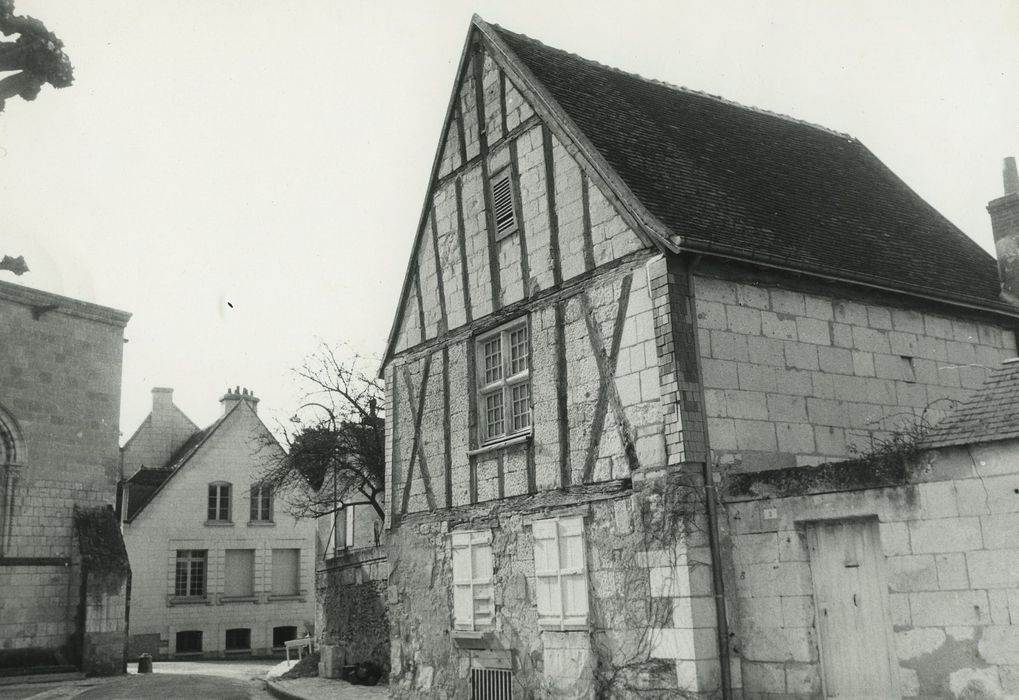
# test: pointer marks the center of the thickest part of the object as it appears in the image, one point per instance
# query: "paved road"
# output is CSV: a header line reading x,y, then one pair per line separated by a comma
x,y
198,680
177,687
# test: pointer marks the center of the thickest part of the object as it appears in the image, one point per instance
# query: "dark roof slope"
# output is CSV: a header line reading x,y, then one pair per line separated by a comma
x,y
736,181
151,481
142,485
992,413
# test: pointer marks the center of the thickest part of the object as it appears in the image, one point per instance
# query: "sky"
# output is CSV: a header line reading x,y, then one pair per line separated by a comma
x,y
245,177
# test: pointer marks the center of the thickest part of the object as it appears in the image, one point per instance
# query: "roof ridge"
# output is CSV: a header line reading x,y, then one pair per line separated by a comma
x,y
685,90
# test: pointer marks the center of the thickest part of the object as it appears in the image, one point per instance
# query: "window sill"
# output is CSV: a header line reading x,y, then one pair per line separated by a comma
x,y
219,523
237,652
296,596
261,523
517,439
189,600
238,599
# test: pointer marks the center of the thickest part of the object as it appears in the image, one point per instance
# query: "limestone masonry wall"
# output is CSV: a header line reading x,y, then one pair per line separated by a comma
x,y
60,385
951,562
793,378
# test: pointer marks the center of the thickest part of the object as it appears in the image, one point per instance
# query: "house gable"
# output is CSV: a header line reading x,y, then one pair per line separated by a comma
x,y
236,438
568,211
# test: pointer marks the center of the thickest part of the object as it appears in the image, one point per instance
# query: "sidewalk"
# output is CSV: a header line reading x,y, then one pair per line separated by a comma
x,y
318,688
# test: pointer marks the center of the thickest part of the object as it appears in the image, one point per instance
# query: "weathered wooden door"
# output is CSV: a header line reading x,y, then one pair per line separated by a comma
x,y
850,596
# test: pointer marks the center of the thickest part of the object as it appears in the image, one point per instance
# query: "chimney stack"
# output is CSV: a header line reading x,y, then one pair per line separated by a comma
x,y
234,396
1004,213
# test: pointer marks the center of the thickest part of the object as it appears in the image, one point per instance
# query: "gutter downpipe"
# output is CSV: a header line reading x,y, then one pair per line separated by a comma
x,y
714,545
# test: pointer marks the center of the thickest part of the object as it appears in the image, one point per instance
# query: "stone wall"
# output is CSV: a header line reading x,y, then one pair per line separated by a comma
x,y
650,630
352,615
60,362
797,375
950,562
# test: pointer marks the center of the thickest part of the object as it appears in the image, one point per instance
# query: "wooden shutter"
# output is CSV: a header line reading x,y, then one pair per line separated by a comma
x,y
560,572
473,603
285,579
239,574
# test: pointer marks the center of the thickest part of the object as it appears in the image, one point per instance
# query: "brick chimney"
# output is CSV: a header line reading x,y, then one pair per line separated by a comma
x,y
1004,213
162,418
234,396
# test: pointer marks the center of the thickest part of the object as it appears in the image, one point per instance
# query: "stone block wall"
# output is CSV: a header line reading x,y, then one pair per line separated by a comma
x,y
951,563
795,377
352,614
60,368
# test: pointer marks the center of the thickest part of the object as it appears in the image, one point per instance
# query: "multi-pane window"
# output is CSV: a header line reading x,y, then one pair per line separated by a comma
x,y
504,382
189,579
503,204
261,503
219,501
560,573
473,604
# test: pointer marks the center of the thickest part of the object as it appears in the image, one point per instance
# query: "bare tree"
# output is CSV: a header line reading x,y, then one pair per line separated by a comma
x,y
335,448
37,56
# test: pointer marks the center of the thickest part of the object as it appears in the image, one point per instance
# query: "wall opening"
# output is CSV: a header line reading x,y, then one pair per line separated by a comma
x,y
189,642
282,635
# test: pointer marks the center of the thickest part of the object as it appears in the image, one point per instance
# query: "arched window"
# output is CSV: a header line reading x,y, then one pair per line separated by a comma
x,y
12,457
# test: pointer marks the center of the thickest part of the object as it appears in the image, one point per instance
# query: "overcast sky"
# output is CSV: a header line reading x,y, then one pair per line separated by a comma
x,y
274,155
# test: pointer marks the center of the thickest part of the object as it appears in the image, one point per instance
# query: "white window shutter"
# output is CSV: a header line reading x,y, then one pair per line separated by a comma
x,y
463,606
546,548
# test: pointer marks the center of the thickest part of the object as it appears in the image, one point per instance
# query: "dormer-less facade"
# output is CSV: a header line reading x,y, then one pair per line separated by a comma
x,y
621,296
221,568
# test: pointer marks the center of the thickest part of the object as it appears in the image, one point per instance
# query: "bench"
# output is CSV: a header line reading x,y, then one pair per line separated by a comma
x,y
299,644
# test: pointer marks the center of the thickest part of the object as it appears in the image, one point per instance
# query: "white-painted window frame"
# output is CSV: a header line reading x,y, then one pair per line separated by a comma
x,y
261,503
560,572
473,579
502,388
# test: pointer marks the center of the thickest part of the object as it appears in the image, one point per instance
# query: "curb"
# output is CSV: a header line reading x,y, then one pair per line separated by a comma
x,y
275,690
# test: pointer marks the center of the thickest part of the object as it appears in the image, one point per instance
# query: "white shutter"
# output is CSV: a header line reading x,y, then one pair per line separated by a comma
x,y
560,572
239,573
473,603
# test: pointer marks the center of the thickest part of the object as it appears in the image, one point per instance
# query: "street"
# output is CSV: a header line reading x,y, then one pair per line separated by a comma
x,y
193,680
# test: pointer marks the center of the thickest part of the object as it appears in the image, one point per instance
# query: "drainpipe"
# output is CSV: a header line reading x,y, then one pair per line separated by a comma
x,y
714,544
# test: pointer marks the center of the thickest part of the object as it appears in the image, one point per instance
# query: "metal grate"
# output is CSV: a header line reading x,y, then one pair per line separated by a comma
x,y
491,684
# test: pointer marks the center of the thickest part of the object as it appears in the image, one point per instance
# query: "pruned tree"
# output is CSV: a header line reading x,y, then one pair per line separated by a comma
x,y
37,56
335,447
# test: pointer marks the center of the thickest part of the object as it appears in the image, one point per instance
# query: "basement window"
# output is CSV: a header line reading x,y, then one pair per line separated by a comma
x,y
504,205
238,639
189,642
282,635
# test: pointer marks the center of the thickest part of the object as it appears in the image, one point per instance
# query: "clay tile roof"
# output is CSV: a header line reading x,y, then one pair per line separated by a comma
x,y
992,413
745,183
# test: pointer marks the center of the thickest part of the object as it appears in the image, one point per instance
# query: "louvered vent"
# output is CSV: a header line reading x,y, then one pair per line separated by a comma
x,y
491,684
502,201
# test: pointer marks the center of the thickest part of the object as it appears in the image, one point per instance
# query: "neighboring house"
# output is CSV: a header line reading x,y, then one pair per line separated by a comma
x,y
351,581
222,569
624,297
60,372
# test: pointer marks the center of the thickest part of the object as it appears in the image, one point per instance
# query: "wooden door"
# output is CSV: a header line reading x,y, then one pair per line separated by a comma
x,y
850,597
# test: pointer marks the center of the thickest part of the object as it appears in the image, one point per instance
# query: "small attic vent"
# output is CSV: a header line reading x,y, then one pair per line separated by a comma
x,y
502,203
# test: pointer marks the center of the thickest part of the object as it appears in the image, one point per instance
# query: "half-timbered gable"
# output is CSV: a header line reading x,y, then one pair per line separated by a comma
x,y
518,229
